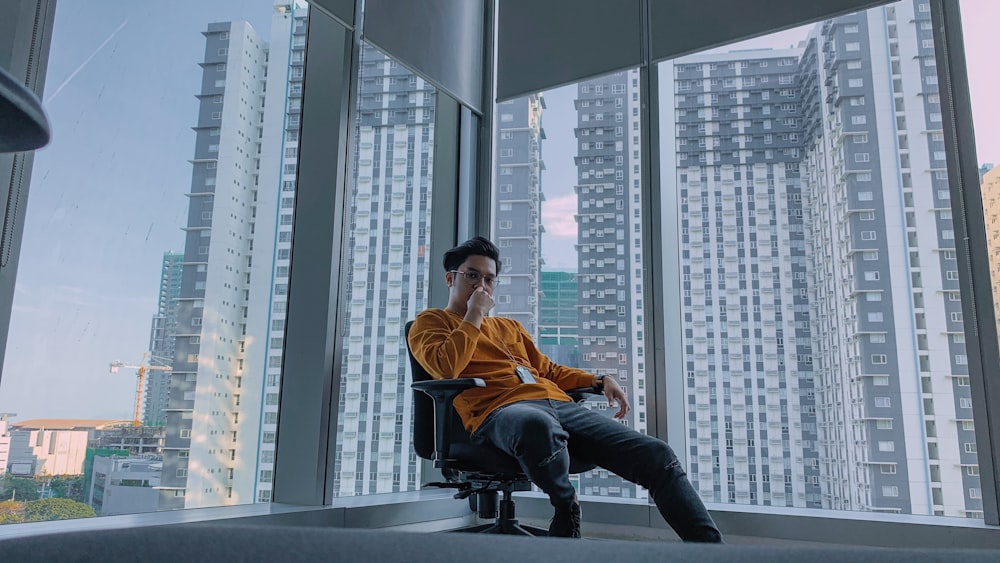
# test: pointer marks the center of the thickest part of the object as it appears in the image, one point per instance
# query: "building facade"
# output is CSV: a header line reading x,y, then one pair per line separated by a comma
x,y
162,335
609,251
892,388
747,366
990,190
4,443
823,337
517,208
558,322
50,446
389,276
270,250
234,281
124,485
136,440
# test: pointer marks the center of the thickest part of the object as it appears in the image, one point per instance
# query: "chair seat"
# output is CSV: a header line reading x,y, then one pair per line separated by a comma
x,y
483,458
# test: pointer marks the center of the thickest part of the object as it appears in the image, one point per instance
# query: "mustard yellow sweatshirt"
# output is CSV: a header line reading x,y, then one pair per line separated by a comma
x,y
449,347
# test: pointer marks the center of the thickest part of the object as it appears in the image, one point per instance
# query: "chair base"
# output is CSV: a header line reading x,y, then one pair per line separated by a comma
x,y
505,521
507,527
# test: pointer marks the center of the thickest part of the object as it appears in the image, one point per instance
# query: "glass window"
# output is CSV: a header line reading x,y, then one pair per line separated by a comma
x,y
780,243
979,39
145,248
387,282
567,243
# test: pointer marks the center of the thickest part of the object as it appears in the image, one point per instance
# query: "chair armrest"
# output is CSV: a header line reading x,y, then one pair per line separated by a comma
x,y
447,386
579,394
443,392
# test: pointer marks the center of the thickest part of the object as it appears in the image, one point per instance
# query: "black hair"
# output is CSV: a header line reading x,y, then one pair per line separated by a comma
x,y
478,246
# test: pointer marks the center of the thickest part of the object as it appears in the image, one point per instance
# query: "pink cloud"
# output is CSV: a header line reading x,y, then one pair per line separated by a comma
x,y
557,216
560,232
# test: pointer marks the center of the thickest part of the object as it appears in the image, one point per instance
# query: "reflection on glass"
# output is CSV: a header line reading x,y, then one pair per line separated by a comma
x,y
387,278
823,349
188,418
583,301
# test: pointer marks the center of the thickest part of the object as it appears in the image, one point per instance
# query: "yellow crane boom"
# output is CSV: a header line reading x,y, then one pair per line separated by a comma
x,y
141,370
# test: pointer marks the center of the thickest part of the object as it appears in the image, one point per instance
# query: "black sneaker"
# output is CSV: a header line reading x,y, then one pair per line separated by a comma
x,y
566,522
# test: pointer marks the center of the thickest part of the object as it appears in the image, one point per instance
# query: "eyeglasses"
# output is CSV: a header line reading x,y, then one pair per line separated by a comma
x,y
474,277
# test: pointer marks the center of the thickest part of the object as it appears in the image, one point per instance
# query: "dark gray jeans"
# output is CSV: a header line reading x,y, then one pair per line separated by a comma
x,y
536,433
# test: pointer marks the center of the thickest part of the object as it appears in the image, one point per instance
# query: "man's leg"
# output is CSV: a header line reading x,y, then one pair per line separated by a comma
x,y
644,460
529,431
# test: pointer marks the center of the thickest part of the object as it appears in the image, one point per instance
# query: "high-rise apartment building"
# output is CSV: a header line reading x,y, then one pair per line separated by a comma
x,y
388,278
270,248
893,402
748,377
823,345
162,335
517,210
230,313
609,251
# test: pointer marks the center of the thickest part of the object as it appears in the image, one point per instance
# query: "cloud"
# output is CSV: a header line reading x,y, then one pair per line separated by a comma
x,y
560,232
557,216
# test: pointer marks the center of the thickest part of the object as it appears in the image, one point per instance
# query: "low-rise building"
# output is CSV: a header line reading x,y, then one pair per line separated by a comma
x,y
51,446
125,485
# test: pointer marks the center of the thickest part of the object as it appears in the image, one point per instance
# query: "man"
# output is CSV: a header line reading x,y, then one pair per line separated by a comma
x,y
524,411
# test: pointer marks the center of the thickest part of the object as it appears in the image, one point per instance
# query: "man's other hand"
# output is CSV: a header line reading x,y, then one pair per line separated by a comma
x,y
615,394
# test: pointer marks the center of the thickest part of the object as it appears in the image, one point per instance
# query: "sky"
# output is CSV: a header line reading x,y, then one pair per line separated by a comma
x,y
107,194
559,118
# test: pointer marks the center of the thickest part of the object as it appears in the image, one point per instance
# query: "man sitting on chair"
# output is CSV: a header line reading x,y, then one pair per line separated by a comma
x,y
524,411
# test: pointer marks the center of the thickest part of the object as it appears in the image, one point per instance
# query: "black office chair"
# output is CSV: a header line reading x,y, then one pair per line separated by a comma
x,y
479,472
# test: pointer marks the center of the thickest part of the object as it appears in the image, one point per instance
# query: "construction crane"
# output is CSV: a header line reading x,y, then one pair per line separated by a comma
x,y
141,370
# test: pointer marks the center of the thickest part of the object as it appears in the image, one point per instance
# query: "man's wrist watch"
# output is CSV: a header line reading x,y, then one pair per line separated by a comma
x,y
599,378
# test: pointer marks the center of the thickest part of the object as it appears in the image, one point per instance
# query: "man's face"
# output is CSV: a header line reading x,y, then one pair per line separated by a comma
x,y
462,287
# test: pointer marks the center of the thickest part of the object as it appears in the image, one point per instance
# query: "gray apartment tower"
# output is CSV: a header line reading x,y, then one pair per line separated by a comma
x,y
517,211
893,402
747,368
161,341
609,253
824,355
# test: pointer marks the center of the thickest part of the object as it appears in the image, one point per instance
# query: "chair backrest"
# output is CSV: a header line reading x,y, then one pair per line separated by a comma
x,y
423,406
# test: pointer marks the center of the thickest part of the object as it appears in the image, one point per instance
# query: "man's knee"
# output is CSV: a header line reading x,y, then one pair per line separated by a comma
x,y
541,433
532,432
537,424
663,456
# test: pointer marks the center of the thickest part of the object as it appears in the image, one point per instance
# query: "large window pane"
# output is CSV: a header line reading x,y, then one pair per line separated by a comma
x,y
980,40
387,275
167,193
822,355
569,234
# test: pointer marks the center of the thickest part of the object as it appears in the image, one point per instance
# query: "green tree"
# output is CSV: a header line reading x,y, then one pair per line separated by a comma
x,y
55,509
67,486
18,488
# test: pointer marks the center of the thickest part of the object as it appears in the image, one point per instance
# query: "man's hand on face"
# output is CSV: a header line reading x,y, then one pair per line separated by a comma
x,y
616,394
481,301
